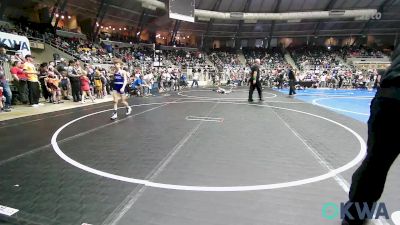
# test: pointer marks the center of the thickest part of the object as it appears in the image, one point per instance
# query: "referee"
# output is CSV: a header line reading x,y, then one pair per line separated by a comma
x,y
292,82
383,148
255,80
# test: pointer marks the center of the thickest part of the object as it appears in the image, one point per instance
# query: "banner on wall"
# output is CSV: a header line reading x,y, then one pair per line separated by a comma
x,y
15,43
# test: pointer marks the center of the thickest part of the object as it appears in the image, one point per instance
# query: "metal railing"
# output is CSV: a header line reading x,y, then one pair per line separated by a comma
x,y
72,54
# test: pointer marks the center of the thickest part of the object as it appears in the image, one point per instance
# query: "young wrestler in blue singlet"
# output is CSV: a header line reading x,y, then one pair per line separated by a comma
x,y
120,82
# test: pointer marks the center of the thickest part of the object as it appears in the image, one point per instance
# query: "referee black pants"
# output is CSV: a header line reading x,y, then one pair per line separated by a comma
x,y
383,148
292,89
76,90
255,86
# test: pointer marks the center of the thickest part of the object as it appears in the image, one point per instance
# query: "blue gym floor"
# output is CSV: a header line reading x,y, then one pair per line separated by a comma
x,y
352,103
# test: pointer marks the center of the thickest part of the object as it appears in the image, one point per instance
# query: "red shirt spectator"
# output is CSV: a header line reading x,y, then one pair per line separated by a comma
x,y
85,83
17,70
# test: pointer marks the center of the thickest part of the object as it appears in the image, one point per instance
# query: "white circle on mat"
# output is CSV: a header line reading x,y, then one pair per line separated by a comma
x,y
316,102
149,183
396,218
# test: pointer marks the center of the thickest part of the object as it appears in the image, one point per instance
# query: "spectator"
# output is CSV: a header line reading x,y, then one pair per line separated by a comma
x,y
43,71
65,85
21,81
149,80
3,56
5,89
85,87
33,81
53,87
196,78
62,66
1,101
74,77
98,84
137,85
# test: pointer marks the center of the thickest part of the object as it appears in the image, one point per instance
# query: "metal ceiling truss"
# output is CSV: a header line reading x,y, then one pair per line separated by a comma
x,y
176,29
328,7
239,27
53,13
214,8
210,22
61,9
101,13
271,32
142,22
367,24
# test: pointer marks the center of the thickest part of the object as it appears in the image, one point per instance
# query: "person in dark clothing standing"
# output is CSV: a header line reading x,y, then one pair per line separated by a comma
x,y
254,80
43,71
341,79
74,78
292,82
280,80
383,146
377,84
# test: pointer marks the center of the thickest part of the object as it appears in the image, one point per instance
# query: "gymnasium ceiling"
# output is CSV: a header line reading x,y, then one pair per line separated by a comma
x,y
127,13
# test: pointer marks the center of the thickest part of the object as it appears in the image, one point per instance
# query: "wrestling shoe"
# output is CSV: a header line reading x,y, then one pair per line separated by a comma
x,y
114,116
128,110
